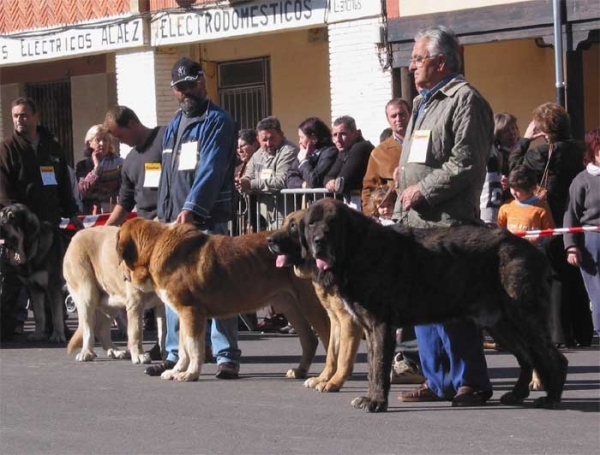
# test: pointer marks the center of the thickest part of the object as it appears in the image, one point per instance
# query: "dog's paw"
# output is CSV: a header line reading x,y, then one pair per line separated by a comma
x,y
186,376
296,373
536,382
117,354
168,375
312,383
141,358
37,337
511,399
536,386
85,356
369,404
547,403
57,337
329,386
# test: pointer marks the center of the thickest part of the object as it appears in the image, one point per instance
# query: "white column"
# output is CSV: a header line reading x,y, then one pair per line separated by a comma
x,y
143,79
360,87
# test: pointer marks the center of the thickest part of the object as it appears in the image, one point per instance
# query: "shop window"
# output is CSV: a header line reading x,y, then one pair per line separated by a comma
x,y
245,90
53,100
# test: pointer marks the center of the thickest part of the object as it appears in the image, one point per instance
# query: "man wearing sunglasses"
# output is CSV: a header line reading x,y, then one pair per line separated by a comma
x,y
196,186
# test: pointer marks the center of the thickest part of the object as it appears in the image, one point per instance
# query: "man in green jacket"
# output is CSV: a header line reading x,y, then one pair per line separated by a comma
x,y
442,170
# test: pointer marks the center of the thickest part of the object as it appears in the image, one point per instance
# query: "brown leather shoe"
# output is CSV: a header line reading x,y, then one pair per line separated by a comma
x,y
228,370
468,396
418,395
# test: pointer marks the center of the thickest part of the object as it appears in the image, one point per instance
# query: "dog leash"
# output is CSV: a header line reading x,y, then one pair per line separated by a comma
x,y
557,231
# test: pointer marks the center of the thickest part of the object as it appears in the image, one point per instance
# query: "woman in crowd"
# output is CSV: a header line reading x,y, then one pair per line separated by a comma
x,y
246,146
495,188
556,162
316,156
99,174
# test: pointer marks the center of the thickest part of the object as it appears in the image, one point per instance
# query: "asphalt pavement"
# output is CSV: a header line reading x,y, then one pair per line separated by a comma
x,y
52,404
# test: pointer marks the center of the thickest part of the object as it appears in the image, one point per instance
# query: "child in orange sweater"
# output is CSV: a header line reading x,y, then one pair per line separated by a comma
x,y
526,212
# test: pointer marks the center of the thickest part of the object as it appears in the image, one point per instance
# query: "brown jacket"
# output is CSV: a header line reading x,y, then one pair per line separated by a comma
x,y
384,159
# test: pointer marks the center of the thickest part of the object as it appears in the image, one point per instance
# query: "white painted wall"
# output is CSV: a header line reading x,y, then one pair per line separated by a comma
x,y
359,86
143,79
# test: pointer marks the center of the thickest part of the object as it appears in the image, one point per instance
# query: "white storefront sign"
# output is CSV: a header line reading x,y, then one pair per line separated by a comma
x,y
92,38
173,27
245,19
344,10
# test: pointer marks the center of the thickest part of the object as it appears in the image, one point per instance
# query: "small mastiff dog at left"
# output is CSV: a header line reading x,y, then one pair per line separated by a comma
x,y
346,332
33,251
202,276
91,269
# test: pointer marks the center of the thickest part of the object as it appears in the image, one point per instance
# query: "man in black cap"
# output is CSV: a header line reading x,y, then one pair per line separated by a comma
x,y
196,186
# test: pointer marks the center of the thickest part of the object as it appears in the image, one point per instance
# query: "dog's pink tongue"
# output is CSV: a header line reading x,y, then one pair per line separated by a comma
x,y
280,262
322,265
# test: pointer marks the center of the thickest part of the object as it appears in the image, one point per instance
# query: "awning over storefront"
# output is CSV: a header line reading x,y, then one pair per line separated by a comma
x,y
533,19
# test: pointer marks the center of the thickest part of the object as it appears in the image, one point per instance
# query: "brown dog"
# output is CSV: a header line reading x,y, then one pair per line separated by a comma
x,y
201,275
96,285
395,276
345,333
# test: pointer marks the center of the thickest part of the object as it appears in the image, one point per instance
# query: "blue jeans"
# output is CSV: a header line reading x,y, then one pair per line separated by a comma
x,y
590,271
452,356
223,332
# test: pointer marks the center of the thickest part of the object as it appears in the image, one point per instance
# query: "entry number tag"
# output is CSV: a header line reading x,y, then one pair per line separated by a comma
x,y
152,175
188,157
265,174
48,177
419,146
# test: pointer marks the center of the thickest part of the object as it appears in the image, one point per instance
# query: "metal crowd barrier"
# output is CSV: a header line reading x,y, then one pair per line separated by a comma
x,y
267,211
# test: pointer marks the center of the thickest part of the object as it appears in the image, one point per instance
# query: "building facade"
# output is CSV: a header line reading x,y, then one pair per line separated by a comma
x,y
289,58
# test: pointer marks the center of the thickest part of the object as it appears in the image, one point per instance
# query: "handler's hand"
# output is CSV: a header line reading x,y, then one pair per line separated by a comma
x,y
411,196
185,216
574,256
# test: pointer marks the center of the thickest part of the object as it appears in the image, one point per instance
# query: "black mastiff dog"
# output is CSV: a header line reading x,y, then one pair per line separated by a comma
x,y
395,276
32,252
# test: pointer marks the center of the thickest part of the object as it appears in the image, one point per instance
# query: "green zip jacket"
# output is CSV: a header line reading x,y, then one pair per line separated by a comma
x,y
451,177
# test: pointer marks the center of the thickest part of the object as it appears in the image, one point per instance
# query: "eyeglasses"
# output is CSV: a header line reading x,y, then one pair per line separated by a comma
x,y
418,61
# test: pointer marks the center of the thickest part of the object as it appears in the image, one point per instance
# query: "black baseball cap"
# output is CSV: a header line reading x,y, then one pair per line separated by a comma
x,y
185,70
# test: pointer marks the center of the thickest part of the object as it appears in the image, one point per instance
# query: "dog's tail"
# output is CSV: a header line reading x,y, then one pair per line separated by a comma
x,y
76,341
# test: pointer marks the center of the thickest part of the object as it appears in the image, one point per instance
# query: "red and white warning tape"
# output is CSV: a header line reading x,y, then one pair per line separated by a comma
x,y
90,220
557,231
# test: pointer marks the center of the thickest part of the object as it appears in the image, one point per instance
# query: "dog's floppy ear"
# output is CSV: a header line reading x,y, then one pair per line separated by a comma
x,y
304,250
31,224
126,248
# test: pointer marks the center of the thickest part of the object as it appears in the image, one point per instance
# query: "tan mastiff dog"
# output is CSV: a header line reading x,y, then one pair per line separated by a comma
x,y
97,286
